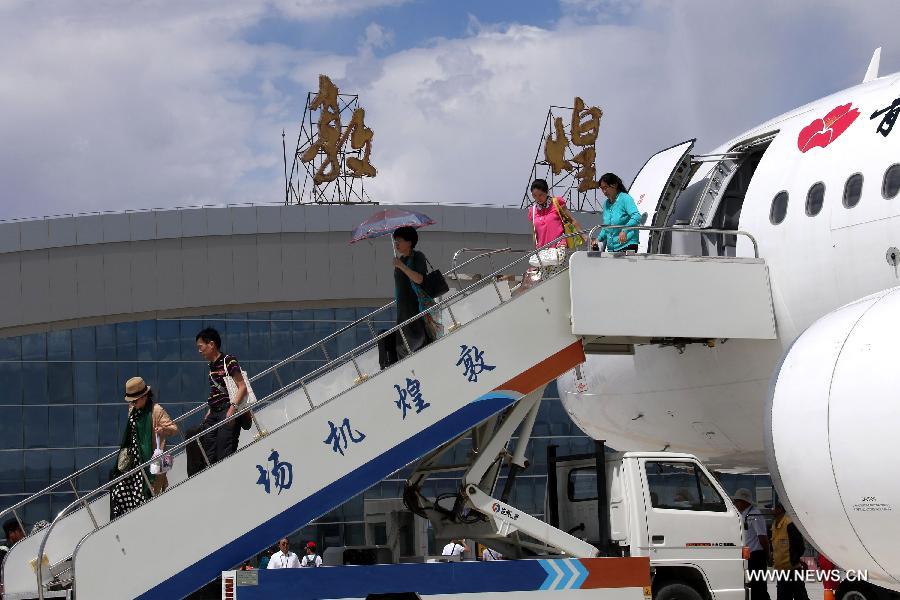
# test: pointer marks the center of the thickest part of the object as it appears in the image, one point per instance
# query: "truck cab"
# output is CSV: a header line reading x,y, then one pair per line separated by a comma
x,y
660,505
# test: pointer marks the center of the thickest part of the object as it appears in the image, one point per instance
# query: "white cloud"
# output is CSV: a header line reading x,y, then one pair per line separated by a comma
x,y
111,106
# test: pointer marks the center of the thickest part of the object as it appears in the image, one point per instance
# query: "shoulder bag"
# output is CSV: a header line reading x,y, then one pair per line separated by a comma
x,y
124,461
231,388
572,240
434,283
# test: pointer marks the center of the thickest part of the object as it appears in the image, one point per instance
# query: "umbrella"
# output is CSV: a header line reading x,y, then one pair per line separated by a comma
x,y
384,222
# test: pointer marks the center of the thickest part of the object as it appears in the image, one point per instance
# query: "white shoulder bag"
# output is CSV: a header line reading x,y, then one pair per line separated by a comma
x,y
232,386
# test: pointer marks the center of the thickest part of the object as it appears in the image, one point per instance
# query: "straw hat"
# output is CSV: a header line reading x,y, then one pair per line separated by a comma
x,y
135,388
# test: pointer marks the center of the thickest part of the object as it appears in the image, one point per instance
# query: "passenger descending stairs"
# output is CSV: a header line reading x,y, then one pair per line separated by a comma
x,y
333,434
311,464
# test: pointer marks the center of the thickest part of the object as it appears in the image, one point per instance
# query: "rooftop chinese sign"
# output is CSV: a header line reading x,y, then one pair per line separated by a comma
x,y
334,150
567,154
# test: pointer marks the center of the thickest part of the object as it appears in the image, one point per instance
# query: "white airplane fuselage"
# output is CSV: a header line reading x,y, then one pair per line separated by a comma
x,y
710,401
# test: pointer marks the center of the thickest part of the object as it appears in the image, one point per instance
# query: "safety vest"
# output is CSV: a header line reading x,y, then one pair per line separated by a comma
x,y
781,544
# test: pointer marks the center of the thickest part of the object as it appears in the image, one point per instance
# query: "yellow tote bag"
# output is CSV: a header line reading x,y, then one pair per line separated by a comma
x,y
573,241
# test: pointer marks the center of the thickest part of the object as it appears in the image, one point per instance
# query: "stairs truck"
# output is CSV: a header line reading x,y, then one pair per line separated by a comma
x,y
666,531
326,435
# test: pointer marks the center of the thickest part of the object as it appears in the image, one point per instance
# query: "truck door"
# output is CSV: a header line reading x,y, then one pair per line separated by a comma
x,y
578,505
656,186
687,516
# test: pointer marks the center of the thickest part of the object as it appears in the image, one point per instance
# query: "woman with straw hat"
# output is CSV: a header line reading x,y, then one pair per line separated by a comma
x,y
146,429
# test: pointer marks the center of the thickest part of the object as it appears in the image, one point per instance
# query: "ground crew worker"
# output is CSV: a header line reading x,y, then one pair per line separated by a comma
x,y
787,548
757,541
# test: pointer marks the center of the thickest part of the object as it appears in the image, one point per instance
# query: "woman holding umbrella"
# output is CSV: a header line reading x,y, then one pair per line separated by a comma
x,y
410,268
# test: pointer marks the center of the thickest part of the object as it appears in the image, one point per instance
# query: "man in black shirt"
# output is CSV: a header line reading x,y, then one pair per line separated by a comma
x,y
222,441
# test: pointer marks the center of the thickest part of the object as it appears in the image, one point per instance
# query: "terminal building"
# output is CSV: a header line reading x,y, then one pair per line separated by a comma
x,y
90,301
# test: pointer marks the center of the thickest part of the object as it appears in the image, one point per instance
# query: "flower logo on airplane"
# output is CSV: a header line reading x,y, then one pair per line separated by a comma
x,y
822,132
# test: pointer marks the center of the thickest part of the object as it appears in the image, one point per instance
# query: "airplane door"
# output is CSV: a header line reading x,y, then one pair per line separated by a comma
x,y
656,186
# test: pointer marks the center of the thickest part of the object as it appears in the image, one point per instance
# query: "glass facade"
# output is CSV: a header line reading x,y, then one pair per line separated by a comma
x,y
61,397
61,402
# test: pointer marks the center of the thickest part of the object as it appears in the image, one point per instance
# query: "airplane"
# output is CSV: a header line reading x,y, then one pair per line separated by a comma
x,y
817,187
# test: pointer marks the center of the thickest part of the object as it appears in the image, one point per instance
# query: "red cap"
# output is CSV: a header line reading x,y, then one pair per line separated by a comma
x,y
311,545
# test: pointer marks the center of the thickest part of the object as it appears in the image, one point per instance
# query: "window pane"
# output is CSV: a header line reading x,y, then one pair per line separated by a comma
x,y
62,426
236,339
126,341
672,485
853,190
10,383
108,385
582,484
814,199
712,501
10,427
111,422
62,464
891,184
85,383
168,388
779,208
59,345
37,471
34,347
146,340
106,342
11,348
12,479
84,344
91,479
168,339
86,426
34,383
59,379
35,422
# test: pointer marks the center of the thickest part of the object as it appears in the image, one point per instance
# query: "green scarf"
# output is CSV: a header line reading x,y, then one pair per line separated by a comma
x,y
143,418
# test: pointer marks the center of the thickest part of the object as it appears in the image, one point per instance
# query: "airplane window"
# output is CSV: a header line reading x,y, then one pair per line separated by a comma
x,y
853,190
779,208
814,199
891,184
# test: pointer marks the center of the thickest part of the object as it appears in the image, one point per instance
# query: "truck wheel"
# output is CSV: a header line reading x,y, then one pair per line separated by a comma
x,y
679,591
856,590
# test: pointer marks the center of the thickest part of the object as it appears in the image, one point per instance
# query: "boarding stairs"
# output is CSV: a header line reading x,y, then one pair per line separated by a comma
x,y
327,436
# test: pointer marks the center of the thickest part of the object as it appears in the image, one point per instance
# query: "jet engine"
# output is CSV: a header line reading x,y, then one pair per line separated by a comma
x,y
833,435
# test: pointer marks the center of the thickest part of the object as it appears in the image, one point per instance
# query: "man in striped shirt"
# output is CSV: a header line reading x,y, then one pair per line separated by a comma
x,y
221,441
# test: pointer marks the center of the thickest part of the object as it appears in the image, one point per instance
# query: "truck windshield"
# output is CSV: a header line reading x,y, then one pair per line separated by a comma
x,y
681,486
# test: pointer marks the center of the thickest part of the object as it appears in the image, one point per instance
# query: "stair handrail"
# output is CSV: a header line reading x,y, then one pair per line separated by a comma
x,y
671,229
343,359
71,479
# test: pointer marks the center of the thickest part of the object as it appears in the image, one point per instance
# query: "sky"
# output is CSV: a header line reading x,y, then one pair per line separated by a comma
x,y
111,105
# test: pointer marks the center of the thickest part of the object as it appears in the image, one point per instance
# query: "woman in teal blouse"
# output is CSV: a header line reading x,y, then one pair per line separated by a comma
x,y
619,209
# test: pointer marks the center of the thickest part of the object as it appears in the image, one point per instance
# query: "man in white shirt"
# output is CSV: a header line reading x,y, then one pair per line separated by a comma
x,y
455,548
756,539
311,559
284,558
490,554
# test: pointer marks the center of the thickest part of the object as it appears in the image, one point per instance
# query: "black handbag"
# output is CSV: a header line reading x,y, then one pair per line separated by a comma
x,y
434,283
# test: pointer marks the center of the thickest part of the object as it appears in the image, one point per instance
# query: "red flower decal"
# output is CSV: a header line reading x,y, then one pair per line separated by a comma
x,y
822,132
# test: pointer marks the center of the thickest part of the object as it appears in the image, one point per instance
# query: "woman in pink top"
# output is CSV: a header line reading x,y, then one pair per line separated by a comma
x,y
545,217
